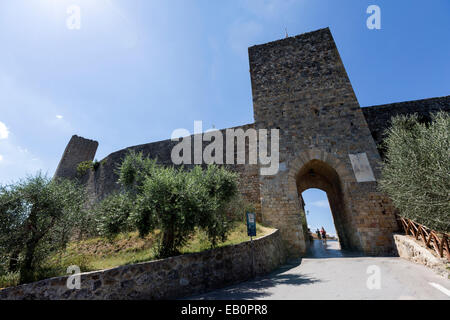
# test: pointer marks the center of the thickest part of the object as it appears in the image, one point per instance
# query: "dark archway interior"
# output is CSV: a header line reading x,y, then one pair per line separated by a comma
x,y
317,174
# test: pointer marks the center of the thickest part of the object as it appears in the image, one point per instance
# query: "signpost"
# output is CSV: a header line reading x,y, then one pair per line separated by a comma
x,y
251,232
251,224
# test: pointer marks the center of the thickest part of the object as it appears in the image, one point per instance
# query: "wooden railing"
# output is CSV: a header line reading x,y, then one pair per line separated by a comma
x,y
439,242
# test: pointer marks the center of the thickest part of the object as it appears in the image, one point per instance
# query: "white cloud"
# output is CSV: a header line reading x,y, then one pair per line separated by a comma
x,y
4,133
58,116
1,157
321,204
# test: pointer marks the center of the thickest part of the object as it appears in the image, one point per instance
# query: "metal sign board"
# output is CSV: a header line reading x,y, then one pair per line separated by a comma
x,y
251,224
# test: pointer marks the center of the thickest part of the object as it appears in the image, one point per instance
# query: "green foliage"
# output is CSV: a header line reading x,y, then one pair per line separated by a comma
x,y
85,166
112,214
416,172
9,279
37,217
221,195
176,201
133,171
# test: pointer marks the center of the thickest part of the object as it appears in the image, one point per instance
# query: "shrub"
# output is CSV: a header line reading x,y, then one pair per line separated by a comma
x,y
85,166
416,170
112,215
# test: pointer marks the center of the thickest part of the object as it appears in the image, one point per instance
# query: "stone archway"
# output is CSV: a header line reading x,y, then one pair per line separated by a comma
x,y
319,175
318,169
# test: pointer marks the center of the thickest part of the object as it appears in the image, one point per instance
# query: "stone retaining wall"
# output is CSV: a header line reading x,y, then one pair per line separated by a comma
x,y
410,249
164,279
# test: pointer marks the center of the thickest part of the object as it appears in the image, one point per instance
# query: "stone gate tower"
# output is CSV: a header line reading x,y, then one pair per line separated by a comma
x,y
299,85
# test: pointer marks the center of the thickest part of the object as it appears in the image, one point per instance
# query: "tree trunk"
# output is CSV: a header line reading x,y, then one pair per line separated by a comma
x,y
14,261
167,243
26,270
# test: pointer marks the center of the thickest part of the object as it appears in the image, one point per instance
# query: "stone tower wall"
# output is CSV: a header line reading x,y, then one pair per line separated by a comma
x,y
77,150
299,85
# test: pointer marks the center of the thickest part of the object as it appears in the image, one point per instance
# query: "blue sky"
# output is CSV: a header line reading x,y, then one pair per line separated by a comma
x,y
137,70
318,212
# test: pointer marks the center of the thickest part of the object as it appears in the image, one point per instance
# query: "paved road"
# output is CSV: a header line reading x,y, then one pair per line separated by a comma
x,y
329,273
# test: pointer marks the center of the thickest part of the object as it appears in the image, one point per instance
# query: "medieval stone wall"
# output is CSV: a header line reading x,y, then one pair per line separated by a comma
x,y
169,278
378,117
103,180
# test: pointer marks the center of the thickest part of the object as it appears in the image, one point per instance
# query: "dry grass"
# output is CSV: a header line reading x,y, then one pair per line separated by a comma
x,y
129,248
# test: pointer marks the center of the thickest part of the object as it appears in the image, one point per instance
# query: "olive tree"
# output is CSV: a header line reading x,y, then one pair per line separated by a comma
x,y
416,170
173,200
37,217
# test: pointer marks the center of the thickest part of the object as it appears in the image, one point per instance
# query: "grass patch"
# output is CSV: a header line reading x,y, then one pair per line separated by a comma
x,y
9,280
128,248
239,234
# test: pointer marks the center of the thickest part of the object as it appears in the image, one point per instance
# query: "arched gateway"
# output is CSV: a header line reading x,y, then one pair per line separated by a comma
x,y
326,141
363,222
319,173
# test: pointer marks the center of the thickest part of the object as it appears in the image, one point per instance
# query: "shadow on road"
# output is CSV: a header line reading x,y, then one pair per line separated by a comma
x,y
257,288
261,286
332,249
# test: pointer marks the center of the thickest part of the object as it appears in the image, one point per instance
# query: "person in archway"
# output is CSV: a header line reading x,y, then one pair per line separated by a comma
x,y
310,237
318,234
324,235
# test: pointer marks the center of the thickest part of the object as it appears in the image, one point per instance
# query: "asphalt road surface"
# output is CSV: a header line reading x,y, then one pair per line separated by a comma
x,y
329,273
